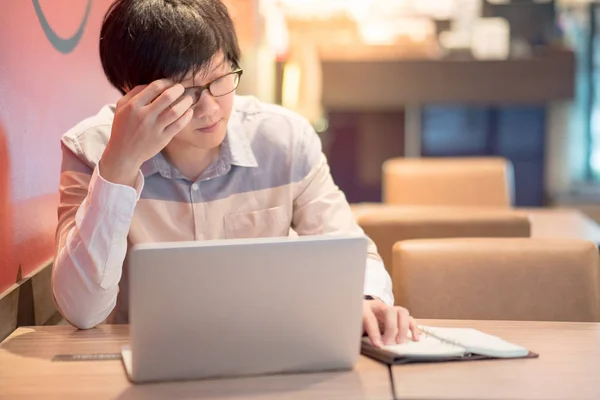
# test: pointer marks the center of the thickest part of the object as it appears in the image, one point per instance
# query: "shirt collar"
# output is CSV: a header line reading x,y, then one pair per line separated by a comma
x,y
157,164
236,149
237,144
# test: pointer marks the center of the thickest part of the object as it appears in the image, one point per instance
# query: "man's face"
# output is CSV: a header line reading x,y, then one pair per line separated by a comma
x,y
208,126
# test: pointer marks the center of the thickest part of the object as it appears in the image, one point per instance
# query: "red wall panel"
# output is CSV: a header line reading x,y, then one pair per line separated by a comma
x,y
43,92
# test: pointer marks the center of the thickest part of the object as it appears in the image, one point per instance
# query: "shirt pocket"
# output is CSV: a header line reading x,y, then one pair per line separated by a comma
x,y
271,222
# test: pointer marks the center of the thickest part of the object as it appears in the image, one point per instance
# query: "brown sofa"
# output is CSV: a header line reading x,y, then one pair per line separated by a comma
x,y
486,182
498,279
386,225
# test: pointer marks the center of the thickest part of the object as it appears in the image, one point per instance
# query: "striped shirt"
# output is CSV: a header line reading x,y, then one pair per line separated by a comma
x,y
270,178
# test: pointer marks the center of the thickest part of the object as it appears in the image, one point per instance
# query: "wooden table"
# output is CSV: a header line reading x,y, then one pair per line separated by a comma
x,y
562,223
568,366
28,372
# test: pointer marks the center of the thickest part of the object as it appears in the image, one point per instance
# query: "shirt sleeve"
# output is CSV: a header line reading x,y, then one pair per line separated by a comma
x,y
94,217
320,207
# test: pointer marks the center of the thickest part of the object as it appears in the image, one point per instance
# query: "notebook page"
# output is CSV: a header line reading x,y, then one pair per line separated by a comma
x,y
479,343
426,348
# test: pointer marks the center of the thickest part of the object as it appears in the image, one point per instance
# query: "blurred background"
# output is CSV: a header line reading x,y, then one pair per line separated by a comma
x,y
401,78
436,78
378,79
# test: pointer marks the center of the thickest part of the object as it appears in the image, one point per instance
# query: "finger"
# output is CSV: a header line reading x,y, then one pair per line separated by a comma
x,y
151,92
129,95
133,92
391,326
414,329
371,327
179,124
166,100
403,323
172,114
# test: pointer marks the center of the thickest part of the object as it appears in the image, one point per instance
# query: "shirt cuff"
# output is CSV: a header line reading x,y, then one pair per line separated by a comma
x,y
378,282
139,182
119,199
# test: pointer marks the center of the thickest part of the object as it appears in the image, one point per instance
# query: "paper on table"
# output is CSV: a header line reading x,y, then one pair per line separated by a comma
x,y
426,347
478,342
439,343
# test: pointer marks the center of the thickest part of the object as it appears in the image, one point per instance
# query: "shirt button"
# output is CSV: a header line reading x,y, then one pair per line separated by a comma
x,y
195,187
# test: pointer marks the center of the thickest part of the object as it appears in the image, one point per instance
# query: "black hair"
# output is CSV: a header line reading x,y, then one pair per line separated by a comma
x,y
145,40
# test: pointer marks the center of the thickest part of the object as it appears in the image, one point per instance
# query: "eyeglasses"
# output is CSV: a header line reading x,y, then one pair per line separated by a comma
x,y
217,88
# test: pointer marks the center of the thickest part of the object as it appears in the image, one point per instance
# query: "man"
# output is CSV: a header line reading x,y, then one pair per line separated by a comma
x,y
181,157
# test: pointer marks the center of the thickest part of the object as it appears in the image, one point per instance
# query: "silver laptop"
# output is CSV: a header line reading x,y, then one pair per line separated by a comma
x,y
243,307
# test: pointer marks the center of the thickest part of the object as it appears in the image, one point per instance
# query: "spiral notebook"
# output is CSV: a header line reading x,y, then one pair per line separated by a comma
x,y
447,344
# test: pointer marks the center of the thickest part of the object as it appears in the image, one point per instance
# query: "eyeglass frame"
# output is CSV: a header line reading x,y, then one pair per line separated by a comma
x,y
238,71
